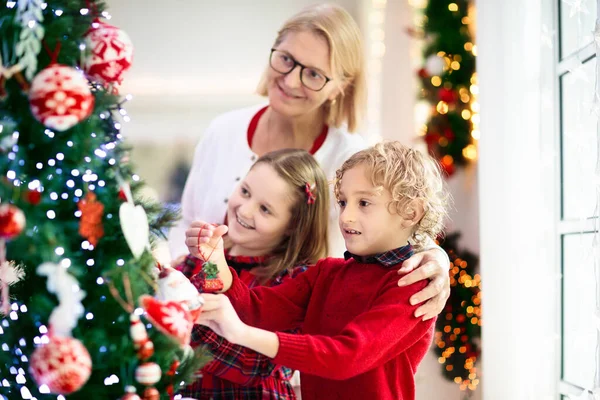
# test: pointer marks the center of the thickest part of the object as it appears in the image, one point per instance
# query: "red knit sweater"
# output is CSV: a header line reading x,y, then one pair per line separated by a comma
x,y
360,339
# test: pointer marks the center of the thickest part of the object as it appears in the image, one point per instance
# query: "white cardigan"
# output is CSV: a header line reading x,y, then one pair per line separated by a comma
x,y
223,157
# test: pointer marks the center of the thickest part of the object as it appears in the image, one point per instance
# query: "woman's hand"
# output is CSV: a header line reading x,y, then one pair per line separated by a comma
x,y
219,315
430,264
205,241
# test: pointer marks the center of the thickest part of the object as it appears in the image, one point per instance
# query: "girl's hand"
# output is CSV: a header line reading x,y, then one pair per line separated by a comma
x,y
430,264
205,241
219,315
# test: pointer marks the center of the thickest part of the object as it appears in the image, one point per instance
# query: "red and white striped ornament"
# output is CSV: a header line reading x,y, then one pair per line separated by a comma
x,y
60,97
110,55
148,373
64,365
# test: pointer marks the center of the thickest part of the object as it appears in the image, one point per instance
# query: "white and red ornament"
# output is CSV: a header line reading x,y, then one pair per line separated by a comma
x,y
142,344
64,365
130,394
60,97
174,286
148,373
12,221
170,317
110,53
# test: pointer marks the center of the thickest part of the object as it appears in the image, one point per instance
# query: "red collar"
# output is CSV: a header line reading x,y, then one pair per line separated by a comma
x,y
254,123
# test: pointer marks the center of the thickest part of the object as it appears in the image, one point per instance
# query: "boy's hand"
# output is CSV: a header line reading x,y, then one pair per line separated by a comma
x,y
430,264
205,241
219,315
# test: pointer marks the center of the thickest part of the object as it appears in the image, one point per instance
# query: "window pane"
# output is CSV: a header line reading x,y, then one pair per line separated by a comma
x,y
579,143
580,334
574,33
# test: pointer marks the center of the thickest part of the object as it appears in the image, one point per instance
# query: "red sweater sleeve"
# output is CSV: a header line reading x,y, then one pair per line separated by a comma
x,y
279,308
374,337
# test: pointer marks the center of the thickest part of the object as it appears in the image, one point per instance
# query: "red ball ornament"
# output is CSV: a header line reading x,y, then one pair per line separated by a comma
x,y
447,95
33,197
111,53
148,373
422,72
151,394
12,221
60,97
64,365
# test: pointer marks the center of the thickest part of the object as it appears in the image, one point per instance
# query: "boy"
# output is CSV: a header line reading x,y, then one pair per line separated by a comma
x,y
359,337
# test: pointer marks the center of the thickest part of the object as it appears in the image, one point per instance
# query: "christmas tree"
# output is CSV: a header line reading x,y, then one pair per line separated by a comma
x,y
449,82
78,318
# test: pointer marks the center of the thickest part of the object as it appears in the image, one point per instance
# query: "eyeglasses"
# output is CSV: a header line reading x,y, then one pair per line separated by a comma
x,y
284,63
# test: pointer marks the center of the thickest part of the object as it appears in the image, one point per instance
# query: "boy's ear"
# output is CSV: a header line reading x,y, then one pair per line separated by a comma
x,y
413,213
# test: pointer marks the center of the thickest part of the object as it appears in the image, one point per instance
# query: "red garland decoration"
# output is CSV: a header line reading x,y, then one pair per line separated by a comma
x,y
90,224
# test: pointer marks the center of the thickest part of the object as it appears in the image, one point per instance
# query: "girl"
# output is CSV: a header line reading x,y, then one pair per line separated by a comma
x,y
278,221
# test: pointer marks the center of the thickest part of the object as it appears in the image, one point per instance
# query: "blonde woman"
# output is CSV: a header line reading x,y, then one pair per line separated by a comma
x,y
315,85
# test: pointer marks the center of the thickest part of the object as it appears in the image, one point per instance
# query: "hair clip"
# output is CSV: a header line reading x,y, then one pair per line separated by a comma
x,y
310,196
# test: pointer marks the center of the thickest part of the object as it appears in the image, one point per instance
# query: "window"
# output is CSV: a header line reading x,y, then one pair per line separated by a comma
x,y
577,153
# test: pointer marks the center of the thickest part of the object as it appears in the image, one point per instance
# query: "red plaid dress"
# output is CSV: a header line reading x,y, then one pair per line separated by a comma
x,y
237,372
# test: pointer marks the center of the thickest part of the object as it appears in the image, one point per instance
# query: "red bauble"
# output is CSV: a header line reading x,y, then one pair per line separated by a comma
x,y
170,317
60,97
148,373
447,95
12,221
423,73
64,365
151,394
33,197
111,53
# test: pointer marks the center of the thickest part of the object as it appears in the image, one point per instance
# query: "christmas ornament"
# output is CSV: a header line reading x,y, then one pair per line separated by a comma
x,y
130,394
148,373
60,97
66,287
90,223
434,65
447,95
151,394
64,365
30,17
12,221
141,343
134,224
110,55
33,197
422,72
212,281
170,317
174,286
171,374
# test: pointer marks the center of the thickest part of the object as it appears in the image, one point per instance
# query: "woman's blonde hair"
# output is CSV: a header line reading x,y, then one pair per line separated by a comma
x,y
341,32
408,175
306,239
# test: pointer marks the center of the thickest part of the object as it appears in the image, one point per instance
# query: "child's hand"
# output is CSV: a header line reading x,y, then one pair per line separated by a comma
x,y
205,241
219,315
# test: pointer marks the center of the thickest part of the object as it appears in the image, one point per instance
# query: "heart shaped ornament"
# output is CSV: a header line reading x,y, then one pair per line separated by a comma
x,y
134,224
170,317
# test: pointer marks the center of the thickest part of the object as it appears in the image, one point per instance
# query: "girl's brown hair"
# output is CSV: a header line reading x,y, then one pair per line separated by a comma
x,y
341,32
306,238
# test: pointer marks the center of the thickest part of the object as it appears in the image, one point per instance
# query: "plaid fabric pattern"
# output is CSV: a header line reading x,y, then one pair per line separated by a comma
x,y
387,259
237,372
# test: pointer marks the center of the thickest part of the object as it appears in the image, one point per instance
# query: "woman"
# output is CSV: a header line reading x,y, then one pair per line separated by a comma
x,y
315,84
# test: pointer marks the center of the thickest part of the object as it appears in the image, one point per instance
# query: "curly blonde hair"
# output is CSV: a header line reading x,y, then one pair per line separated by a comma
x,y
408,175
